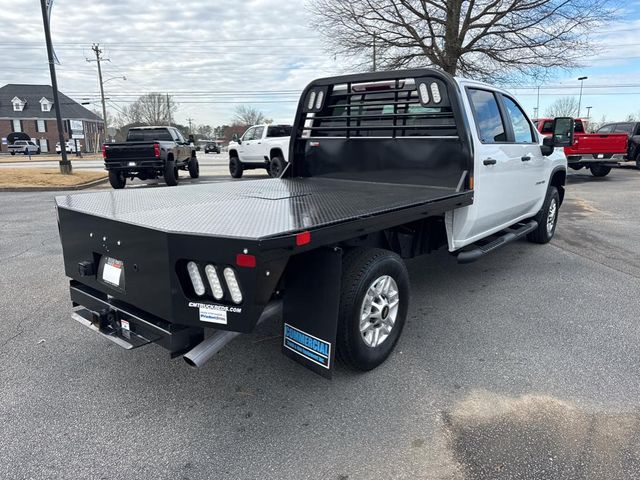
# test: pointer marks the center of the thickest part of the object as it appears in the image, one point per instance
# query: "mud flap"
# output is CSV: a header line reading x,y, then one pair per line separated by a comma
x,y
310,309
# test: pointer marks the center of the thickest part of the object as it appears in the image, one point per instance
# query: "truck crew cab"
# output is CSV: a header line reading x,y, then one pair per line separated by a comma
x,y
383,166
150,152
261,146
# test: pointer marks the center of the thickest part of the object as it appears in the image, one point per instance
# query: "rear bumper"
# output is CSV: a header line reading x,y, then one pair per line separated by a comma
x,y
605,158
128,326
134,164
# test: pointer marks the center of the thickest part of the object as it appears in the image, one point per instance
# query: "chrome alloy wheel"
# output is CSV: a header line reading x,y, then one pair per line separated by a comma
x,y
379,311
552,216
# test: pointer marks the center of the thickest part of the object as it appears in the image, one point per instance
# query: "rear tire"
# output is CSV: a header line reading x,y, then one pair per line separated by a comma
x,y
12,152
599,170
277,166
194,167
117,179
373,307
235,167
547,218
171,173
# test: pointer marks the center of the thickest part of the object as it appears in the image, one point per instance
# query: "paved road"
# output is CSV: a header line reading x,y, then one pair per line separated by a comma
x,y
521,366
210,165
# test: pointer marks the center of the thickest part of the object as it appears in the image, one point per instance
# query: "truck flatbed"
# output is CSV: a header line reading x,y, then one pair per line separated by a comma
x,y
260,209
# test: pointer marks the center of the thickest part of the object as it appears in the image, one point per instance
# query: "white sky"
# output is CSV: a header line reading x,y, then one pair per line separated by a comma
x,y
213,55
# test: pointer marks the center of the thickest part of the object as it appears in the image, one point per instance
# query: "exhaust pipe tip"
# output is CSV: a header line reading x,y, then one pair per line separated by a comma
x,y
202,353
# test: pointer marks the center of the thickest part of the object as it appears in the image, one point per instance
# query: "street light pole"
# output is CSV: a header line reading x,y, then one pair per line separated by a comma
x,y
65,163
589,112
582,79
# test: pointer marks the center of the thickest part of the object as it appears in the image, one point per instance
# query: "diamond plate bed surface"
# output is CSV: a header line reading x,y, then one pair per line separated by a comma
x,y
254,209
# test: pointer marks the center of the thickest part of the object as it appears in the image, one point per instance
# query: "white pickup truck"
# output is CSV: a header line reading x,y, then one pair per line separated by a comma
x,y
384,166
261,146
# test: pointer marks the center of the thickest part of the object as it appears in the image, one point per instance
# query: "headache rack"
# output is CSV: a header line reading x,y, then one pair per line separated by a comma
x,y
400,107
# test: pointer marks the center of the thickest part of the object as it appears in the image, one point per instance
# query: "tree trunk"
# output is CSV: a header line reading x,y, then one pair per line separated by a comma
x,y
452,42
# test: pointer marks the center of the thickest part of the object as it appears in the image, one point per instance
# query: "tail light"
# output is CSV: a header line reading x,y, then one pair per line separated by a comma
x,y
156,150
104,151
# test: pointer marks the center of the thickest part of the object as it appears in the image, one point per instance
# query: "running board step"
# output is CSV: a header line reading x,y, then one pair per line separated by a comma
x,y
515,232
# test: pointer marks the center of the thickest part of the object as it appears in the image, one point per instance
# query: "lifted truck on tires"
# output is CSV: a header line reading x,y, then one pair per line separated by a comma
x,y
261,146
150,152
384,166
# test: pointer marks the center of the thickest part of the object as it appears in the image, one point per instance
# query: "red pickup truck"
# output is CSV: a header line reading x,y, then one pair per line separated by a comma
x,y
596,151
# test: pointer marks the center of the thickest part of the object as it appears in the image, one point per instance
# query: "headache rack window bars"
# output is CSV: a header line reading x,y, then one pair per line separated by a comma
x,y
355,111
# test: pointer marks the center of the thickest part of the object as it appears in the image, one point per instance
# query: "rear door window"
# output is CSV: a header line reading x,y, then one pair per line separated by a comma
x,y
487,116
278,131
624,128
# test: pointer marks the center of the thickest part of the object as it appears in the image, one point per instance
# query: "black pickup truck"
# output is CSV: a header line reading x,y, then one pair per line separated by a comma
x,y
150,152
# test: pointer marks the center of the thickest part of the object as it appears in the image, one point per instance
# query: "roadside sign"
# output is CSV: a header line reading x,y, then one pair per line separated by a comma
x,y
76,126
77,135
4,140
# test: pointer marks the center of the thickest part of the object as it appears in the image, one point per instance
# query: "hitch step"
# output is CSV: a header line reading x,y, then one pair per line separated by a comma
x,y
511,234
121,337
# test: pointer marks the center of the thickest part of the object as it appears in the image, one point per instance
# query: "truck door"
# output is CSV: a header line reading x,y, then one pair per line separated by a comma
x,y
526,149
498,200
253,151
244,146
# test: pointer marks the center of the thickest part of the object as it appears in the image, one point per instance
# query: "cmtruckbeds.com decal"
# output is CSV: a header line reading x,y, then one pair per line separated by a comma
x,y
307,346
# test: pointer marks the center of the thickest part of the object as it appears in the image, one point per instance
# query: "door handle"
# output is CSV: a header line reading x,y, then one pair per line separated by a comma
x,y
489,161
526,158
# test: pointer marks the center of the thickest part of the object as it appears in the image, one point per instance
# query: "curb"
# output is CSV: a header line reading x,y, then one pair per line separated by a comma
x,y
80,186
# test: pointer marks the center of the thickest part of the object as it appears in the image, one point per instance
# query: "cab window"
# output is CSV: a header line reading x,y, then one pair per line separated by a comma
x,y
249,134
487,116
521,127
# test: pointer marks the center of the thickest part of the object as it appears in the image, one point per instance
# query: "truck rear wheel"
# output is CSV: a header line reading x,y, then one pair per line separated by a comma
x,y
194,167
547,218
373,307
171,173
599,170
117,179
276,166
235,167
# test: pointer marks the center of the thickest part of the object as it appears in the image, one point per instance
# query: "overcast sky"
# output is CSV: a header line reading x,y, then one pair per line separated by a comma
x,y
212,55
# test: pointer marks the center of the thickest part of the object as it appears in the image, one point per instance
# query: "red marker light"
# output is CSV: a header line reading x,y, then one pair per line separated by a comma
x,y
303,238
156,150
244,260
104,151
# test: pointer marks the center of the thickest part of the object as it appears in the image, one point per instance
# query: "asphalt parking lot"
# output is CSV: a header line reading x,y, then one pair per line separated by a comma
x,y
523,365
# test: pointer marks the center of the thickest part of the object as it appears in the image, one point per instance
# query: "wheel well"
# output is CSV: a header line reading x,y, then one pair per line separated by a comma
x,y
170,157
233,153
275,152
558,180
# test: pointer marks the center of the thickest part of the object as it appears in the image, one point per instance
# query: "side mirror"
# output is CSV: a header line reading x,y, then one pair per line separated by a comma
x,y
563,131
547,146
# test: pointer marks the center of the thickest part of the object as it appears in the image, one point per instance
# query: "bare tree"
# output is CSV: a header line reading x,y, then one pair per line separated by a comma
x,y
246,116
563,107
149,109
485,39
204,131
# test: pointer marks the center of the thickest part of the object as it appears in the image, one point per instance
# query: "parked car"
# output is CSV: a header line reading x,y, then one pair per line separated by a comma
x,y
23,146
261,146
212,148
632,130
150,152
70,146
426,161
596,151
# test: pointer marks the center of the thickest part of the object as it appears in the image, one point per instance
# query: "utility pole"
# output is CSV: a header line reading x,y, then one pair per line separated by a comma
x,y
65,163
582,79
190,120
168,109
98,52
374,51
538,102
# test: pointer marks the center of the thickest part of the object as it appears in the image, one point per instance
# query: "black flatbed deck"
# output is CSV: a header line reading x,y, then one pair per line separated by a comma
x,y
259,209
